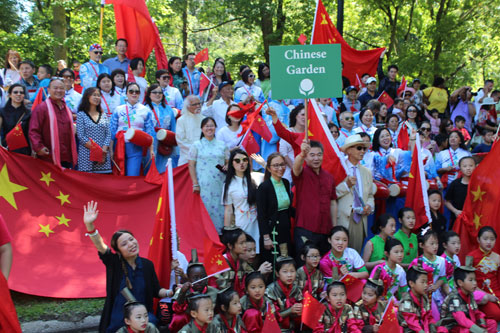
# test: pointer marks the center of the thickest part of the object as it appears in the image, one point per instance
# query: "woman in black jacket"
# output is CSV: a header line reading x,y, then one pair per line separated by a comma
x,y
274,209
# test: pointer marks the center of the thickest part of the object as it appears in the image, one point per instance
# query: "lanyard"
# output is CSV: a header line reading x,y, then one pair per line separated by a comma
x,y
94,69
344,133
248,92
451,158
128,118
109,110
156,116
189,79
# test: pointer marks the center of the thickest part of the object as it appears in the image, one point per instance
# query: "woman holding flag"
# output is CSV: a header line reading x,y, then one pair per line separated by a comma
x,y
13,114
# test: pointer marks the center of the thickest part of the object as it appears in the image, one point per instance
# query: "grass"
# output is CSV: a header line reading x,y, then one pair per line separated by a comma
x,y
31,307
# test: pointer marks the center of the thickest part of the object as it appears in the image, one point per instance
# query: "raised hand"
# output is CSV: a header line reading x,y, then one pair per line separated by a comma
x,y
90,213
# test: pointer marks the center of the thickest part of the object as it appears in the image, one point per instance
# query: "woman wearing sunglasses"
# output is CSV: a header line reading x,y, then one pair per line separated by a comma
x,y
425,136
15,112
240,195
131,115
249,92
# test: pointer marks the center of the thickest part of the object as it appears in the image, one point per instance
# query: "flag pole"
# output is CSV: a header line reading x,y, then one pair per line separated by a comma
x,y
314,22
306,101
171,203
102,21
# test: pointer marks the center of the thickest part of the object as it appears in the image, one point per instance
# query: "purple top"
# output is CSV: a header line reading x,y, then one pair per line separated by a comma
x,y
462,109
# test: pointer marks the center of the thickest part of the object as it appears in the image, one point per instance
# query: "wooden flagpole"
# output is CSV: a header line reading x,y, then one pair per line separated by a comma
x,y
102,22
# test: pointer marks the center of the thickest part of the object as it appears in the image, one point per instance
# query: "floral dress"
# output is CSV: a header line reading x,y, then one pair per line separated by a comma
x,y
209,154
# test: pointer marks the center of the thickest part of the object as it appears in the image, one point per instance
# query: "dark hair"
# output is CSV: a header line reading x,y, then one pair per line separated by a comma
x,y
362,113
309,246
252,191
230,236
440,139
448,235
85,101
204,122
438,81
281,263
114,246
228,121
379,290
170,70
121,39
332,125
260,72
381,222
48,69
338,228
398,100
374,105
69,70
224,298
245,74
434,191
459,118
130,84
363,135
445,122
316,144
389,117
253,276
418,117
147,98
392,66
460,136
267,173
422,239
242,67
390,243
102,77
250,239
128,307
195,266
460,275
16,85
118,72
194,302
376,137
486,229
134,63
466,158
26,62
224,74
335,284
186,57
160,72
412,275
293,115
402,211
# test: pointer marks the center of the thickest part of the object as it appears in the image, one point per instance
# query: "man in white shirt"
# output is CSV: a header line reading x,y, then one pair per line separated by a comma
x,y
217,109
188,127
485,92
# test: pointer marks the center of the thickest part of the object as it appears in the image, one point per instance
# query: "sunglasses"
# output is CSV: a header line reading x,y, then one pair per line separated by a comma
x,y
157,92
242,160
361,148
17,92
251,75
134,92
166,77
425,129
348,118
97,52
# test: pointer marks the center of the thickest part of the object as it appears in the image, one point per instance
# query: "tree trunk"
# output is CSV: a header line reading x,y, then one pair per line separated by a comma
x,y
184,27
394,26
438,45
340,17
269,35
59,31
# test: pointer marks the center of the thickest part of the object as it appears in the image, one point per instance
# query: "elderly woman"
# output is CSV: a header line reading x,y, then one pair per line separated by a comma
x,y
366,123
207,158
249,89
10,73
124,268
188,129
15,112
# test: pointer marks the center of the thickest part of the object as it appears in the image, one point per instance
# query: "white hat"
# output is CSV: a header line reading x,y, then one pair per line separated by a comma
x,y
370,80
488,101
354,140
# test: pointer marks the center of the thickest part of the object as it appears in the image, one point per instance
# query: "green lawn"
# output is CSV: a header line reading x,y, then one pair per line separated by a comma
x,y
44,308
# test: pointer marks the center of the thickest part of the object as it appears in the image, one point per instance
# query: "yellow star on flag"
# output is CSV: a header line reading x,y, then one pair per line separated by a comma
x,y
47,178
161,235
63,220
478,194
477,220
159,205
45,229
63,197
219,262
323,21
410,176
8,188
309,133
151,241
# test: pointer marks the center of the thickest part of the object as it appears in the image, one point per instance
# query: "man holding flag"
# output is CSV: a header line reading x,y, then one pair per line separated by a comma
x,y
192,74
387,83
217,109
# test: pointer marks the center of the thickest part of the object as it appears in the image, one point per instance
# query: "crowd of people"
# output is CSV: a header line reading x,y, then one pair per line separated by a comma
x,y
288,228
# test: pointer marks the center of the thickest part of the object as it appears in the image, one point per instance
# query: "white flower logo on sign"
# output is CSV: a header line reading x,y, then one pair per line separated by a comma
x,y
306,87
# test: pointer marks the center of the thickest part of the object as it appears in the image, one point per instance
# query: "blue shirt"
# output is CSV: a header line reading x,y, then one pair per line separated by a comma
x,y
115,63
31,89
193,79
90,71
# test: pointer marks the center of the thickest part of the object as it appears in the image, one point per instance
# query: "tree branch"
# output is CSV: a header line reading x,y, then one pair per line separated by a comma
x,y
360,40
218,25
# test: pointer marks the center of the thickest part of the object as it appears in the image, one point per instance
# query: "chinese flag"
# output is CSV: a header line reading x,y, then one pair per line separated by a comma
x,y
270,324
260,127
96,152
416,196
333,161
15,138
250,143
214,262
204,82
354,287
482,204
134,23
389,319
312,310
403,86
302,39
252,114
359,83
201,56
355,61
38,98
42,206
8,316
153,176
386,99
403,137
130,75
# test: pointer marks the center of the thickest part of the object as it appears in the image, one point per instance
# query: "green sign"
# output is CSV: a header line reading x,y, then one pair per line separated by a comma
x,y
306,71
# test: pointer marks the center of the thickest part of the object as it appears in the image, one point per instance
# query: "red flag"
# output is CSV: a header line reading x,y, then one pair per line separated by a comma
x,y
15,138
249,108
312,310
416,196
482,204
402,87
204,82
353,109
134,23
259,126
8,316
270,323
201,56
354,287
386,99
302,39
403,137
214,262
42,206
130,75
250,144
390,319
153,176
96,152
333,161
38,98
355,61
359,83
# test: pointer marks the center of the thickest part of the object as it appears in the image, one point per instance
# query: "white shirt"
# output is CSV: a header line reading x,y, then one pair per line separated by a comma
x,y
218,111
72,99
286,149
230,138
109,103
328,110
368,130
188,130
174,97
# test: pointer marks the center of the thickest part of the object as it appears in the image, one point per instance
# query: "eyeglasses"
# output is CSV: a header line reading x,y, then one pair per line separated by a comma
x,y
165,77
242,160
134,92
425,129
361,148
277,166
348,118
97,52
251,75
411,110
157,92
195,104
17,92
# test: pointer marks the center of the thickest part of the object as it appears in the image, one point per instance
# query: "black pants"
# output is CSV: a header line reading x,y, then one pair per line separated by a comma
x,y
301,236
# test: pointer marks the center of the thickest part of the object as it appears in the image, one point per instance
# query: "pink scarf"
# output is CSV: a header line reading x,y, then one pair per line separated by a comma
x,y
54,134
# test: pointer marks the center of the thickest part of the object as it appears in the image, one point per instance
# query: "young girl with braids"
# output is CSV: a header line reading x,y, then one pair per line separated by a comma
x,y
124,268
